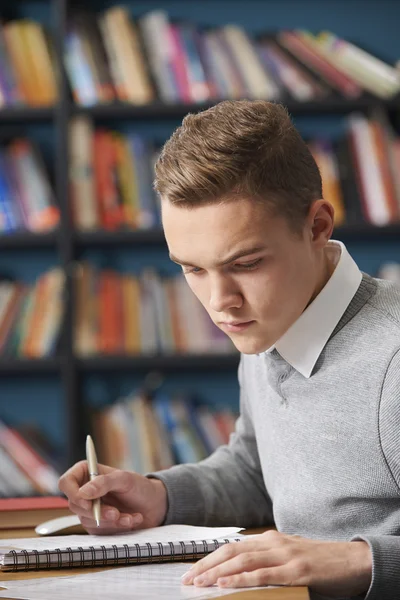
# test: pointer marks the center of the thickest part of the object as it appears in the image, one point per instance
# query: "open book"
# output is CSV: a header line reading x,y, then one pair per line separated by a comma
x,y
168,543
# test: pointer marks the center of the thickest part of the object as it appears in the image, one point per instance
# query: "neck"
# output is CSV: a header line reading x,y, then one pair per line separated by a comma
x,y
327,266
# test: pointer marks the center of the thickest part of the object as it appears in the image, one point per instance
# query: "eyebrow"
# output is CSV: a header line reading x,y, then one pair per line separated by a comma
x,y
239,254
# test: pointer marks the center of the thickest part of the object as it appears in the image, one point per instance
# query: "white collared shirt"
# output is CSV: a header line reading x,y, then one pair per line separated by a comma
x,y
304,341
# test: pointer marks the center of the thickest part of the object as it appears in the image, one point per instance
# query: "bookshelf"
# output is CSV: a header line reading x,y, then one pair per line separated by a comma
x,y
68,245
157,110
25,366
199,363
27,239
26,115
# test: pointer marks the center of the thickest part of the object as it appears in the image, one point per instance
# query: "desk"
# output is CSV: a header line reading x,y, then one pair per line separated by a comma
x,y
295,593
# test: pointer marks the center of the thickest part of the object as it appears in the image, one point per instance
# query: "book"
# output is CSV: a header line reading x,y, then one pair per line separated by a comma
x,y
29,512
158,544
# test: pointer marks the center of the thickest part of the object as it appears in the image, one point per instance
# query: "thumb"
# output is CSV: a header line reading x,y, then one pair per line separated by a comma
x,y
116,481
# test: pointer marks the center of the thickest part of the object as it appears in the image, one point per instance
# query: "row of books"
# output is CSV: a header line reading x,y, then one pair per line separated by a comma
x,y
27,463
114,314
148,314
31,315
26,196
112,175
113,57
111,178
145,433
361,171
27,67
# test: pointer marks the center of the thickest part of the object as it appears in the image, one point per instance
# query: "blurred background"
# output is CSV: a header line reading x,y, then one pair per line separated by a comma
x,y
98,331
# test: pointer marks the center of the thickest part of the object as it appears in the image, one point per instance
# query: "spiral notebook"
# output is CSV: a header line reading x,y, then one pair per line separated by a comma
x,y
159,544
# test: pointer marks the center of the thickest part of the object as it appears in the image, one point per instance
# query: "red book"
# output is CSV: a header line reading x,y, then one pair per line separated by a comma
x,y
105,163
30,512
300,48
43,476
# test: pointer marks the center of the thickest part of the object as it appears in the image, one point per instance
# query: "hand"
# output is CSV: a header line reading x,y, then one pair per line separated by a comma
x,y
129,500
272,558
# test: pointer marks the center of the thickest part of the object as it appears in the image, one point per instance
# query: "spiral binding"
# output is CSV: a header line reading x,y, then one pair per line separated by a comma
x,y
99,556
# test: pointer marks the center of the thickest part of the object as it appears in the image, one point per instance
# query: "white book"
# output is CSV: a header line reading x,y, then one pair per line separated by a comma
x,y
257,80
15,482
154,27
370,174
81,173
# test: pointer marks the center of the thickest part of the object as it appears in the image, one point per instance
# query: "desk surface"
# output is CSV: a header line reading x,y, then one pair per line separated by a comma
x,y
295,593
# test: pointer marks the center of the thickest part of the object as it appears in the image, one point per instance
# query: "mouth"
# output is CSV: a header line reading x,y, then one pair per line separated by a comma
x,y
235,326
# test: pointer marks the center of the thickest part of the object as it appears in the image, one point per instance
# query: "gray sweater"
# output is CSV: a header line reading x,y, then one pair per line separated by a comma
x,y
318,457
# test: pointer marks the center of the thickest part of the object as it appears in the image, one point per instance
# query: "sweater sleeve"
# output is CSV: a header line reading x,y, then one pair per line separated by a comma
x,y
385,584
227,488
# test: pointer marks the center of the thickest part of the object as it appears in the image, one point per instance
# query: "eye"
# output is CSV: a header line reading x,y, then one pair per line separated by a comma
x,y
193,270
250,265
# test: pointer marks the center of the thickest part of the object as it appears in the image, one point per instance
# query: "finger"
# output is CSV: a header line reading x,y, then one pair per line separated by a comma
x,y
281,575
124,522
75,477
108,512
115,481
248,561
222,555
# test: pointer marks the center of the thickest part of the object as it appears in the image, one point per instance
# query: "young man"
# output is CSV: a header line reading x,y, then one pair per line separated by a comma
x,y
315,451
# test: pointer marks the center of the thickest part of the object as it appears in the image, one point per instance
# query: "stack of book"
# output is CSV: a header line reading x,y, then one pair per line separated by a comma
x,y
28,74
143,433
145,315
26,197
113,57
31,315
111,178
27,466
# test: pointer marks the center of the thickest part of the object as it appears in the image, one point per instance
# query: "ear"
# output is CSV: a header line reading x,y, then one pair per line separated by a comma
x,y
321,221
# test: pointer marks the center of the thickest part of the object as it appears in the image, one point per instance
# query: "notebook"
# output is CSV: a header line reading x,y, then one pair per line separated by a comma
x,y
158,544
152,582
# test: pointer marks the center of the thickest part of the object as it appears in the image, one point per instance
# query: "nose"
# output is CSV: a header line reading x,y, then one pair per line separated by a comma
x,y
224,294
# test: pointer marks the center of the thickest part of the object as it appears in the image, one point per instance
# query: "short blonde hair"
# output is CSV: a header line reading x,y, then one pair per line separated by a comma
x,y
237,149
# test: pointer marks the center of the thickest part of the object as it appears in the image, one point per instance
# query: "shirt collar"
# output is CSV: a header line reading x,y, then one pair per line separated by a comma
x,y
302,344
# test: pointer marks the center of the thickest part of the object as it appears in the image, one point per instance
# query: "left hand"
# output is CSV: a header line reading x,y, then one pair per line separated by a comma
x,y
272,558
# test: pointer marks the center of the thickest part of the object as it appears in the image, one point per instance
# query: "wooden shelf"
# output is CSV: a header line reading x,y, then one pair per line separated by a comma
x,y
360,232
15,114
213,362
27,366
27,239
366,232
124,237
149,237
161,110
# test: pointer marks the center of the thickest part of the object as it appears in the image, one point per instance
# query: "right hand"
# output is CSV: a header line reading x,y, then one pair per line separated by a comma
x,y
128,500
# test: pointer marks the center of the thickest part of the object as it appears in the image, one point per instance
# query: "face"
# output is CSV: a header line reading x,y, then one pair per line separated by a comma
x,y
253,275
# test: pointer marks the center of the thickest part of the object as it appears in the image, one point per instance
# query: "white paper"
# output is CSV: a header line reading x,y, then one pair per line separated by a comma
x,y
167,533
153,581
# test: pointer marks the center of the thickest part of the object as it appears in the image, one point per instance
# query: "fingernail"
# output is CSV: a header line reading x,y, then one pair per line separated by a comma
x,y
125,521
85,504
111,514
187,578
137,520
88,490
200,580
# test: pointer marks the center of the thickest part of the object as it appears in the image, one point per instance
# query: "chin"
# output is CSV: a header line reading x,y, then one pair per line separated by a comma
x,y
250,346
